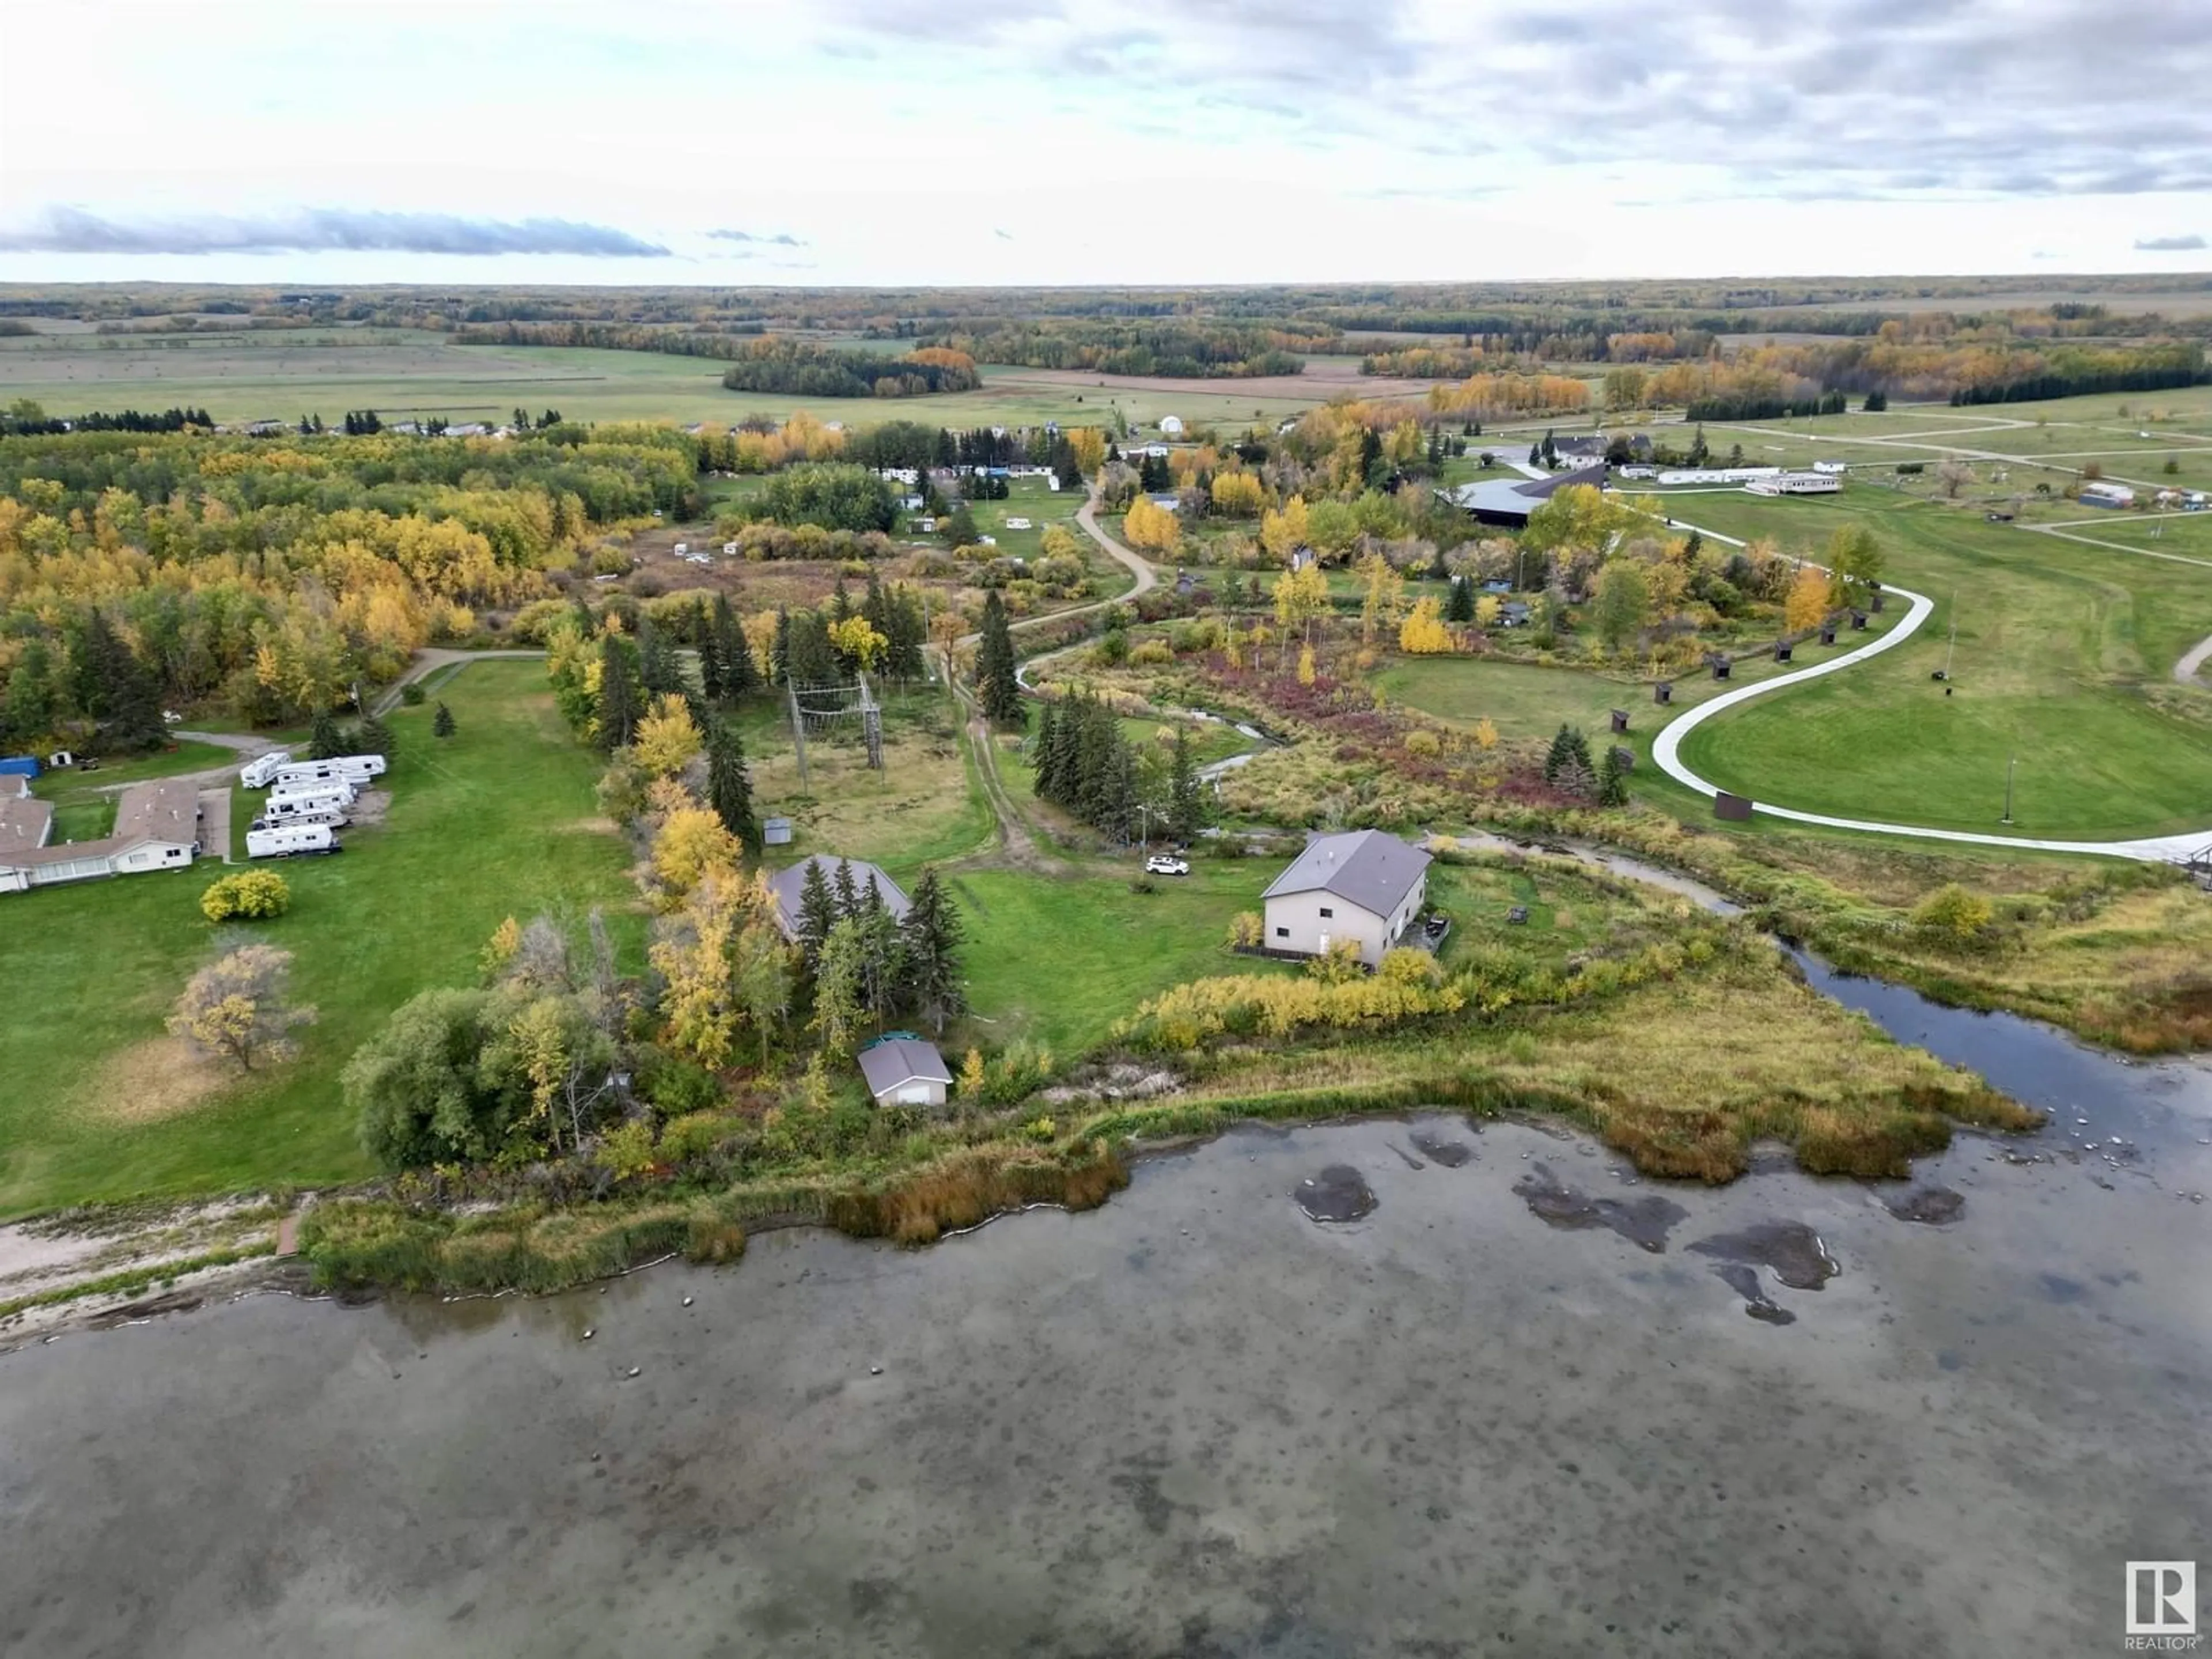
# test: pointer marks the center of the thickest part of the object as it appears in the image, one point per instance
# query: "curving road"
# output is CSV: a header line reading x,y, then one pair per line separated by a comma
x,y
1666,754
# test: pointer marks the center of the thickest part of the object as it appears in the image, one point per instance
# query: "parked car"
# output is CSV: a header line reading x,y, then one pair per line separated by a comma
x,y
1163,864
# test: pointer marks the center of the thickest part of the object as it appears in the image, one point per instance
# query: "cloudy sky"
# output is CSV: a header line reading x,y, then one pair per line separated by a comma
x,y
739,142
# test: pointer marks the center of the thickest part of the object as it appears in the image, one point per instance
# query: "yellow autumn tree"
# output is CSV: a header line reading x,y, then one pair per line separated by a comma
x,y
1239,496
1386,595
1422,634
1088,444
1808,599
1283,533
857,640
692,844
667,739
692,955
1485,733
1152,528
1305,665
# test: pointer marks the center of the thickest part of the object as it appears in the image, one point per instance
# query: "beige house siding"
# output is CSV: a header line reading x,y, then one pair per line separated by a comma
x,y
1295,921
916,1091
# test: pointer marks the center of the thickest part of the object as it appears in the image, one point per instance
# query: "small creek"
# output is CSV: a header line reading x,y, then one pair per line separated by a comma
x,y
1415,1386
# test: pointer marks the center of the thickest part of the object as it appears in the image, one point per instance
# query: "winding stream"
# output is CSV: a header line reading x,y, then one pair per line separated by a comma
x,y
1381,1387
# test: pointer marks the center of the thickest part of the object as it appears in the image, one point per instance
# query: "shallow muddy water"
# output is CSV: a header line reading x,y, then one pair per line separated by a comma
x,y
1195,1422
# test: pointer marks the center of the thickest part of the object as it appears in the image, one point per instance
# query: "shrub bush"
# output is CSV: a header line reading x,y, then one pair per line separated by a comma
x,y
412,694
249,895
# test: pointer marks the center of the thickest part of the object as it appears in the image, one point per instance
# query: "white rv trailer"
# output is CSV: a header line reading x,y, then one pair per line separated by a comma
x,y
339,794
277,812
355,769
261,771
290,840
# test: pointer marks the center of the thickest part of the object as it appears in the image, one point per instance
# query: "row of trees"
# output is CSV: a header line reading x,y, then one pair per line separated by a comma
x,y
1086,767
867,964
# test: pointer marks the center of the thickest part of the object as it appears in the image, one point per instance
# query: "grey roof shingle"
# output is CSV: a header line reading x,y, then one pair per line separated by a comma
x,y
887,1064
1366,867
789,884
24,823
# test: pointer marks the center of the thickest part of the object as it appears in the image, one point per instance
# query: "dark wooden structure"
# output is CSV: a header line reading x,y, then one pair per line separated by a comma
x,y
1782,651
1737,809
1722,668
1827,633
1620,719
1664,692
1879,598
1858,621
1624,760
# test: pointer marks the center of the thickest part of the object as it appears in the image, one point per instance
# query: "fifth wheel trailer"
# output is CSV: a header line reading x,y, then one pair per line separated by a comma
x,y
355,769
261,771
277,812
290,840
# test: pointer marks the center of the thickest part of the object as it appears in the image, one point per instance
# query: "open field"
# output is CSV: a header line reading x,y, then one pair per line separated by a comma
x,y
497,820
404,374
2055,641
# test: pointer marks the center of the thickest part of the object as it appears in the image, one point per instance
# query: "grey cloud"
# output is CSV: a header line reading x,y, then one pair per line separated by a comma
x,y
781,238
316,230
1849,98
2169,244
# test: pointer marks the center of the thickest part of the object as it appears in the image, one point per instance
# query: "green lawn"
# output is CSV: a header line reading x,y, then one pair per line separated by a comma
x,y
2058,644
500,819
1059,959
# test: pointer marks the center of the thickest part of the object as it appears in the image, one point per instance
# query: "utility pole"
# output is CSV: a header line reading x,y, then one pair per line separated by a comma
x,y
2009,764
797,731
1949,649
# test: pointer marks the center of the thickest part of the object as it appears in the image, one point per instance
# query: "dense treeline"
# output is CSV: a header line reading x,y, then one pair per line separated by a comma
x,y
2069,378
1177,350
812,371
724,343
275,575
1749,408
26,419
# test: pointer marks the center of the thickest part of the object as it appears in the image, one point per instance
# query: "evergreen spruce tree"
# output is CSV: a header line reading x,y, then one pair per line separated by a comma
x,y
818,911
1459,600
812,661
622,702
730,786
1570,752
1002,691
1041,753
1186,805
1612,780
1535,455
442,723
372,737
117,691
778,656
929,961
740,679
656,669
712,675
908,634
325,741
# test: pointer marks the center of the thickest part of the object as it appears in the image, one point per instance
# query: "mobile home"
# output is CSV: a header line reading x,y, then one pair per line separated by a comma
x,y
290,840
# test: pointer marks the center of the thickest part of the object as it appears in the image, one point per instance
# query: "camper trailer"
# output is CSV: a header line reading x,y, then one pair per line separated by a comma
x,y
354,769
261,771
341,792
290,840
278,812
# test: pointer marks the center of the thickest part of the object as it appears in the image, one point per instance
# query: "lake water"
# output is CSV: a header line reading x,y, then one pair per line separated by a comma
x,y
1199,1422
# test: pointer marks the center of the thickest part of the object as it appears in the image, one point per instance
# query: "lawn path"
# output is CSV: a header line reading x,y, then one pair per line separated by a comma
x,y
1666,754
2185,670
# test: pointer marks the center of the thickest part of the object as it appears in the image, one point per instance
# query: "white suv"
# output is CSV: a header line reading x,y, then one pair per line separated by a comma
x,y
1161,863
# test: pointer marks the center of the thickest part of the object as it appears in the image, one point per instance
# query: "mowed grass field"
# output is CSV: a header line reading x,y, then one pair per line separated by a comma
x,y
498,820
402,374
2057,644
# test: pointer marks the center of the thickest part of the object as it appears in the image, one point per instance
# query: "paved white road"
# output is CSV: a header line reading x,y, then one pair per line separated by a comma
x,y
1667,747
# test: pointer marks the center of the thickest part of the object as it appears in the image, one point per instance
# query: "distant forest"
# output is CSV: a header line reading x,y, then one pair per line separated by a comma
x,y
1995,338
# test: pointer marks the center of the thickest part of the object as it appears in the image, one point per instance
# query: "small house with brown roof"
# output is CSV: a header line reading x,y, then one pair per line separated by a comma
x,y
157,827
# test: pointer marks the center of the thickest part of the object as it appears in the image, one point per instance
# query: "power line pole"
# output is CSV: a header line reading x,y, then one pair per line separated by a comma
x,y
797,731
2009,764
